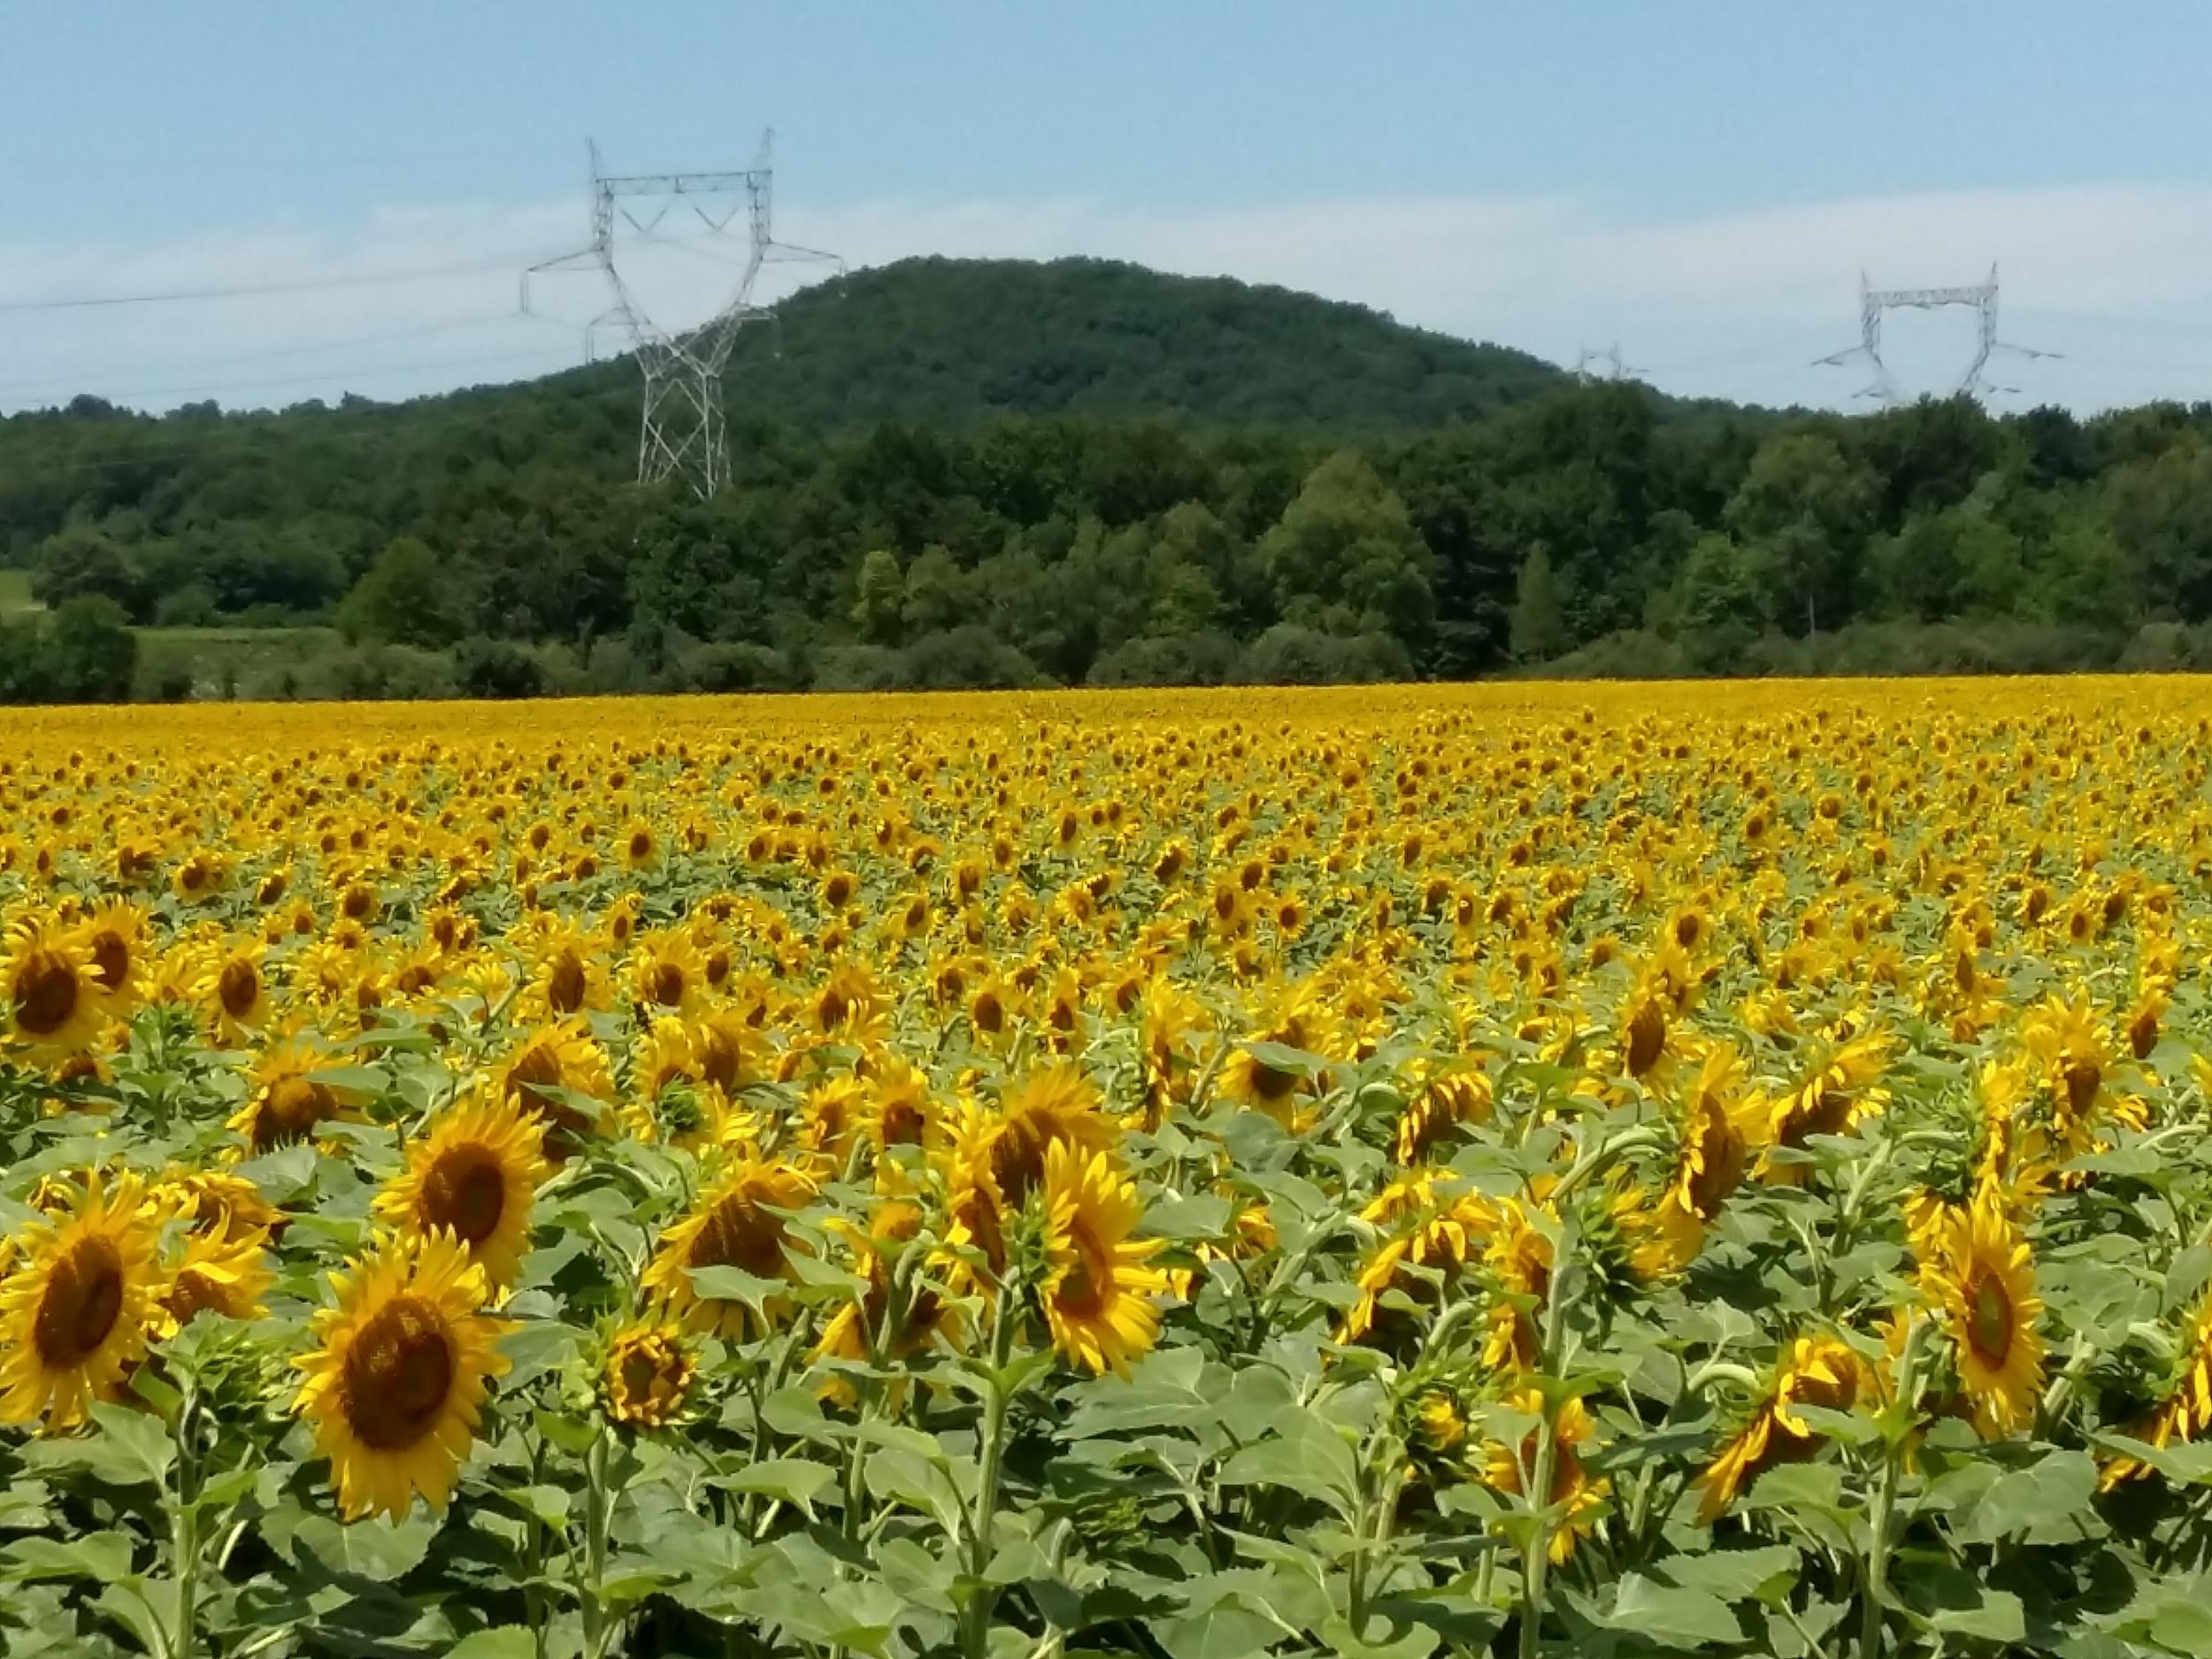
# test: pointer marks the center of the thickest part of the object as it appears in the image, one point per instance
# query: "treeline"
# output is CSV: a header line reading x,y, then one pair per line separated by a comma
x,y
492,543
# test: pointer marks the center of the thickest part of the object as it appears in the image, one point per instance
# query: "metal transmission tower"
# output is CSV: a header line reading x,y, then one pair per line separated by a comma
x,y
681,433
1588,359
1874,301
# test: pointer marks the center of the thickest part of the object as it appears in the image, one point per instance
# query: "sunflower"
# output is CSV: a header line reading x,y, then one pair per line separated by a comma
x,y
740,1222
1519,1257
286,1099
1824,1372
567,973
78,1306
1301,1021
1834,1095
396,1383
648,1374
1047,1107
474,1176
668,974
1982,1278
218,1202
860,1323
220,1273
116,939
1720,1126
1463,1095
1096,1291
50,988
560,1072
233,992
1509,1468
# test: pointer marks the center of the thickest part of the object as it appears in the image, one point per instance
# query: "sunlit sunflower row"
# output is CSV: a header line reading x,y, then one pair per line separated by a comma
x,y
1596,1170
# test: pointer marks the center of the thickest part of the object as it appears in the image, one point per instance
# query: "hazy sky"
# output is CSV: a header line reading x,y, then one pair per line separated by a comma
x,y
1701,182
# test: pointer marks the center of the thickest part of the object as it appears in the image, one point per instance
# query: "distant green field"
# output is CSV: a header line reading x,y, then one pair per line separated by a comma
x,y
15,592
220,660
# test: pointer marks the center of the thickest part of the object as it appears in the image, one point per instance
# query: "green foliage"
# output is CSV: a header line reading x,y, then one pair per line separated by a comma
x,y
1110,472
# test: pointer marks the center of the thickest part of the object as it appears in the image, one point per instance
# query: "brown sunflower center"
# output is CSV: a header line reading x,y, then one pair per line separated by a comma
x,y
738,1233
239,986
564,986
2083,1079
1647,1037
1989,1321
465,1191
1271,1083
1721,1152
717,1056
46,994
398,1375
292,1109
668,984
1089,1279
83,1300
110,959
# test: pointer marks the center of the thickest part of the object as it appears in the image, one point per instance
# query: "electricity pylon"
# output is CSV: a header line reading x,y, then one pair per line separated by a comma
x,y
1873,301
681,433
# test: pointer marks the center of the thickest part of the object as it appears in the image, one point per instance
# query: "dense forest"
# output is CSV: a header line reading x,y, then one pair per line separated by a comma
x,y
993,473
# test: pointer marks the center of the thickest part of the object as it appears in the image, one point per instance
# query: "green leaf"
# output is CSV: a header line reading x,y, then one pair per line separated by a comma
x,y
1992,1615
793,1480
497,1642
2051,1502
140,1440
1202,1216
1307,1456
1685,1617
901,1476
102,1555
1732,1574
735,1284
379,1549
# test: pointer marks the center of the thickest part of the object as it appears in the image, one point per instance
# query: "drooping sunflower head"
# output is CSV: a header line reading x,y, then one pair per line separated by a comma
x,y
742,1221
1053,1104
648,1374
79,1306
1510,1468
559,1071
396,1383
668,972
1098,1295
1461,1095
219,1273
286,1099
474,1176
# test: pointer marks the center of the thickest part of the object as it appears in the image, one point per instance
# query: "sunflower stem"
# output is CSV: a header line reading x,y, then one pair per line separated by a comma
x,y
982,1600
1877,1543
1536,1558
598,1516
184,1532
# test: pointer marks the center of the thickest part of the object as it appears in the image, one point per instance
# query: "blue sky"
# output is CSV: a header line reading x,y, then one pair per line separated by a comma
x,y
1699,181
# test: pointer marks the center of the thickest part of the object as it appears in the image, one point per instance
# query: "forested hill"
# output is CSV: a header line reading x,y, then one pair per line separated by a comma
x,y
953,341
949,473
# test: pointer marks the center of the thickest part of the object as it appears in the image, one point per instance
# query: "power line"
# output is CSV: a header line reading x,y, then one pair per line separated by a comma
x,y
169,297
535,355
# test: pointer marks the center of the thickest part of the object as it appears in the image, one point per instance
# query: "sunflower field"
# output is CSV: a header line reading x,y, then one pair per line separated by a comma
x,y
1387,1173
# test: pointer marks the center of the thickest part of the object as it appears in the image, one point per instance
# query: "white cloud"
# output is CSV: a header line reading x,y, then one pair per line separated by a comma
x,y
1731,304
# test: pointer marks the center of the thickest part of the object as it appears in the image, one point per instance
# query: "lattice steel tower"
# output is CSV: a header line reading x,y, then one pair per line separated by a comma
x,y
680,432
1873,301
